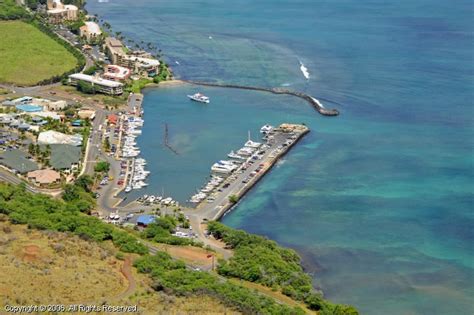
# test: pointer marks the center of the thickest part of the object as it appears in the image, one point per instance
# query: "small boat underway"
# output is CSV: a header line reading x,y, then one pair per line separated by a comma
x,y
198,97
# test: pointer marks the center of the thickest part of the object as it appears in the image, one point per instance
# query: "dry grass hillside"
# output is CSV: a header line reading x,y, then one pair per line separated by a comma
x,y
42,267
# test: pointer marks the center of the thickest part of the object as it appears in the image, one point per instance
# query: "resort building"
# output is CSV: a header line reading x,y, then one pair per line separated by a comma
x,y
140,62
90,31
101,85
65,158
59,12
116,73
44,177
55,137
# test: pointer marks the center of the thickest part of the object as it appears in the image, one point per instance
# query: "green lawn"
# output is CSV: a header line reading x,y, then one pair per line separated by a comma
x,y
29,56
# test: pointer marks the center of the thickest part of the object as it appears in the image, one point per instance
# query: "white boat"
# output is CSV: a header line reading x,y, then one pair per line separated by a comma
x,y
128,189
252,144
224,169
234,155
246,151
198,97
266,128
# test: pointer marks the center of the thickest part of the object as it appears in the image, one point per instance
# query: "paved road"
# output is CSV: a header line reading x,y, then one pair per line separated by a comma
x,y
236,185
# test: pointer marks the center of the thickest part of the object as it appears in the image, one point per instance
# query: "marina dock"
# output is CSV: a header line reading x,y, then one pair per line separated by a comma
x,y
279,141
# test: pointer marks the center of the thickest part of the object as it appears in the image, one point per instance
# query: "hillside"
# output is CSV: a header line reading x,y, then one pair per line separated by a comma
x,y
76,271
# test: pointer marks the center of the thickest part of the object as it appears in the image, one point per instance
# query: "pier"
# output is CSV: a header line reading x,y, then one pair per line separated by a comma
x,y
311,100
240,182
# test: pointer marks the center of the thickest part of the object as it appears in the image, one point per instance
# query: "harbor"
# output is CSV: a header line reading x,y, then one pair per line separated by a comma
x,y
231,179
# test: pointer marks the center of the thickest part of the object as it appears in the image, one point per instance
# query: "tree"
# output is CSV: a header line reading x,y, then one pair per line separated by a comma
x,y
102,167
85,182
233,199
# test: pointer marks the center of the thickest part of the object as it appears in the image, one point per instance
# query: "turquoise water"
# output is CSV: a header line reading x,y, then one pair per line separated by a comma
x,y
378,201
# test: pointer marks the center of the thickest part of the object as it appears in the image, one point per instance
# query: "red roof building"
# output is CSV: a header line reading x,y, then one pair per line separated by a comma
x,y
112,119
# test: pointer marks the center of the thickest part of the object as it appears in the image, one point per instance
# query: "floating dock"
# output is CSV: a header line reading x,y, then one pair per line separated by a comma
x,y
281,140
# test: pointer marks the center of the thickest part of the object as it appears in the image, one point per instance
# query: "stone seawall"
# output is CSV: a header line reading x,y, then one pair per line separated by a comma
x,y
311,100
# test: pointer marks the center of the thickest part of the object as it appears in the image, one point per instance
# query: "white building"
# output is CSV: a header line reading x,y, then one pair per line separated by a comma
x,y
90,31
59,12
55,137
101,85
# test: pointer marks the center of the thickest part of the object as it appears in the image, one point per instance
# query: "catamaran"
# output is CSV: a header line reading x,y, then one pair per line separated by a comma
x,y
198,97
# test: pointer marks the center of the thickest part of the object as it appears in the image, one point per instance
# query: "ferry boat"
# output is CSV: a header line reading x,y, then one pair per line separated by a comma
x,y
198,97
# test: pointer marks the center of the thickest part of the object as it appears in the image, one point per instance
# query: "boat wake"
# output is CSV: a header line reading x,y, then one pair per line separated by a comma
x,y
304,70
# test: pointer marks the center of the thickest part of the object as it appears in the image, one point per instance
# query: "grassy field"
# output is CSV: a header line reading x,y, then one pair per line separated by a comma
x,y
29,56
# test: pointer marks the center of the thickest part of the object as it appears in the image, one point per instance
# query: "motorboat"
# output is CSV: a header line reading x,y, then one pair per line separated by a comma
x,y
246,151
266,128
221,168
234,155
128,189
252,144
198,97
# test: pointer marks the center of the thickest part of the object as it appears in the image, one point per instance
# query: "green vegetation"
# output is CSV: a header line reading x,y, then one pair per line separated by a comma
x,y
91,70
45,213
137,85
164,73
173,277
260,260
233,199
102,167
9,10
85,87
161,230
30,57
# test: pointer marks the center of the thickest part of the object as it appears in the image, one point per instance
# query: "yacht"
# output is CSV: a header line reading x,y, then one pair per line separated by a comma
x,y
221,168
198,97
246,151
266,129
252,144
234,155
128,189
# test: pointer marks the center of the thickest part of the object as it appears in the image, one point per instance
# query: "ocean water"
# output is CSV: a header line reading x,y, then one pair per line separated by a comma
x,y
378,201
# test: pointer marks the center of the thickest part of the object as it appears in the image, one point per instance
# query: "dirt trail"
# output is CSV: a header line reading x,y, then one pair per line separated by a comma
x,y
126,271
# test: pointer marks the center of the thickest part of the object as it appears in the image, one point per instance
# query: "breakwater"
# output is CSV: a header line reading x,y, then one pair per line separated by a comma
x,y
311,100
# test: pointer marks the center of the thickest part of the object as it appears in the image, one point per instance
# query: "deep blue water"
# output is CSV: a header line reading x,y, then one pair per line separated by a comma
x,y
379,200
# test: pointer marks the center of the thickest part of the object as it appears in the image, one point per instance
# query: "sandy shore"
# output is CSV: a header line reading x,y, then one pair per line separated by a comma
x,y
171,83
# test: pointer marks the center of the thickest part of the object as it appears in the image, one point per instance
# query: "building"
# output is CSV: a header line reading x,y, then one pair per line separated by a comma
x,y
59,12
116,73
65,158
90,31
17,161
56,106
101,85
86,114
145,220
55,137
139,62
112,119
114,49
44,177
